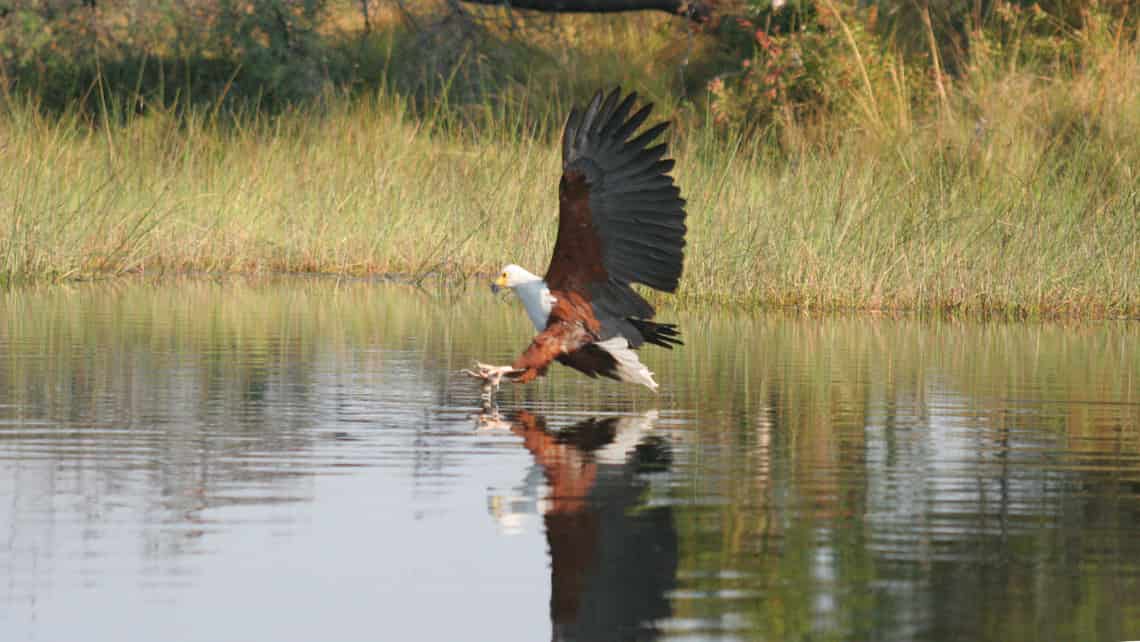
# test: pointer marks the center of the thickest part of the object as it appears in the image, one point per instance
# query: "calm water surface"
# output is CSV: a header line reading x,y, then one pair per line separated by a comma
x,y
298,460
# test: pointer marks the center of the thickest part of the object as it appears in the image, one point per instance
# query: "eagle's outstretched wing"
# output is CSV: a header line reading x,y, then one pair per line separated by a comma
x,y
621,219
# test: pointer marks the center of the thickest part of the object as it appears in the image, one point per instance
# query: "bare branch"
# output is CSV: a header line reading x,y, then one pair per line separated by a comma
x,y
696,10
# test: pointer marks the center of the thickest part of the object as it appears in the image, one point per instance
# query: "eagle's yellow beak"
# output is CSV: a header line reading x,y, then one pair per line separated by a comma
x,y
499,283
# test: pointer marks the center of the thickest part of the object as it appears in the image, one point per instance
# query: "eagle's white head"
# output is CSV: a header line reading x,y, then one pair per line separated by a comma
x,y
512,276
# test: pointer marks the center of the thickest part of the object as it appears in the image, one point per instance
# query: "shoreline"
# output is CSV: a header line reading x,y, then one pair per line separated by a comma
x,y
459,285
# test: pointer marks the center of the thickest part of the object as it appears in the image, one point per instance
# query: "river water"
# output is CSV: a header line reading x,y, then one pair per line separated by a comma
x,y
298,459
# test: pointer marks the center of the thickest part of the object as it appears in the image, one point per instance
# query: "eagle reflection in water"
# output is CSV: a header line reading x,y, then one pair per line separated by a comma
x,y
613,557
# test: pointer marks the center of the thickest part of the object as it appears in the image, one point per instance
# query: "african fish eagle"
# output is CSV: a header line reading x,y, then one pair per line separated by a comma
x,y
621,220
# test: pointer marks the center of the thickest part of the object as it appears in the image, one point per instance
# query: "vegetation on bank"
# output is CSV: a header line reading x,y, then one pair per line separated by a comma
x,y
869,174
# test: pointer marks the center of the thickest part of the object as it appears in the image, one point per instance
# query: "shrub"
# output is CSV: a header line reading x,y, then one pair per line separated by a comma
x,y
61,51
799,61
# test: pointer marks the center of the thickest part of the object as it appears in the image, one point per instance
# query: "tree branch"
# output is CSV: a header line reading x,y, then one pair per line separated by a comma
x,y
696,10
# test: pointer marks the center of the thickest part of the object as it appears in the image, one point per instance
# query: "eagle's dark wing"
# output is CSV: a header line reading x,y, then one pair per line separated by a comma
x,y
621,219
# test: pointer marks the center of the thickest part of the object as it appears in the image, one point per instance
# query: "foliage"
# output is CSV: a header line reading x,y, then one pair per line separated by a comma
x,y
761,65
164,52
799,62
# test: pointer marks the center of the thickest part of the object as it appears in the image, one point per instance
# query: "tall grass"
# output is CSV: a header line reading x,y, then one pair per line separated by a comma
x,y
1017,196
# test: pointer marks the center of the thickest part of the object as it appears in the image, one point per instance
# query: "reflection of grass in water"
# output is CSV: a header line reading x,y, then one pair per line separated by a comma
x,y
229,326
812,378
730,364
779,407
785,443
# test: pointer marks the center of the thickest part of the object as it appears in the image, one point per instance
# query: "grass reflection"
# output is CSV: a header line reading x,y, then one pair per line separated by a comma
x,y
836,478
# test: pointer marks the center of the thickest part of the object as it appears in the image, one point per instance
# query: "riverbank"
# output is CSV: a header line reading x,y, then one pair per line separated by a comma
x,y
947,220
1018,197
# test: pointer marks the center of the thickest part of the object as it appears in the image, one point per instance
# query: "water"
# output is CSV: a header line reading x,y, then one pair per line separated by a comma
x,y
298,460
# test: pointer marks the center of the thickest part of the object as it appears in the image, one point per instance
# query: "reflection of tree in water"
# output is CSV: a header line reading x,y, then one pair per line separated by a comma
x,y
613,559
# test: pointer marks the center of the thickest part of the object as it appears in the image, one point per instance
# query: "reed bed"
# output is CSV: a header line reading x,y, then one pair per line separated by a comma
x,y
1019,197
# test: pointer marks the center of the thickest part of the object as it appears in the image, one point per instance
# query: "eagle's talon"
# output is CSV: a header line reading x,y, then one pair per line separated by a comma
x,y
491,374
492,377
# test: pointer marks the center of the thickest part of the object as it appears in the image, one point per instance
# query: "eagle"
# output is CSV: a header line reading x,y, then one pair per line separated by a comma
x,y
621,220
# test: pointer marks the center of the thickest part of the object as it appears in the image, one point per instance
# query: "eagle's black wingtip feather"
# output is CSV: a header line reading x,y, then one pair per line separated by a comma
x,y
635,206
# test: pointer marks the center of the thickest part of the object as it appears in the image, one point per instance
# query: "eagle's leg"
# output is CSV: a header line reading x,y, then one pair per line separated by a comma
x,y
492,376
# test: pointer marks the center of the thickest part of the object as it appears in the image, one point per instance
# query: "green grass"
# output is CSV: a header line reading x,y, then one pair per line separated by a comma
x,y
1021,200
